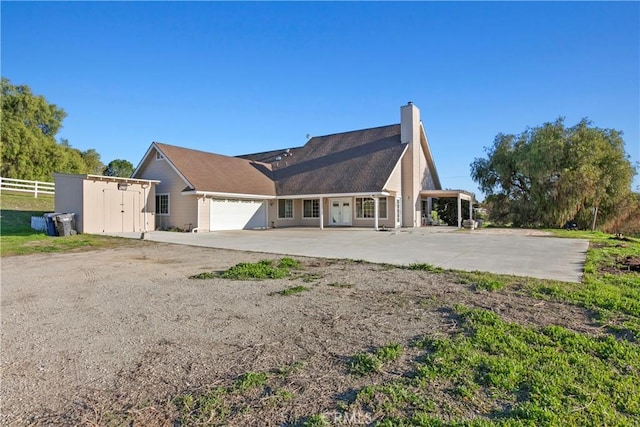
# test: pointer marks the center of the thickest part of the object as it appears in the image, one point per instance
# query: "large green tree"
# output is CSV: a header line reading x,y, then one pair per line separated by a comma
x,y
29,126
92,161
550,174
29,147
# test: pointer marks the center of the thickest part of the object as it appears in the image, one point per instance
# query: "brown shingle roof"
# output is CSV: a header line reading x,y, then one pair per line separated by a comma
x,y
216,173
270,156
349,162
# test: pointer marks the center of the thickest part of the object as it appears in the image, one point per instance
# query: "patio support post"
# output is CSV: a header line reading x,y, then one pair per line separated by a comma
x,y
459,211
321,213
376,202
470,209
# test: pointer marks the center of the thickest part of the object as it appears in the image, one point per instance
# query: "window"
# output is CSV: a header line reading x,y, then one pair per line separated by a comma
x,y
162,204
365,208
311,209
159,155
285,208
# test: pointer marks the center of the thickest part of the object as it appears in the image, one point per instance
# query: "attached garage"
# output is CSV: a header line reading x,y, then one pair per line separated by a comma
x,y
229,214
106,204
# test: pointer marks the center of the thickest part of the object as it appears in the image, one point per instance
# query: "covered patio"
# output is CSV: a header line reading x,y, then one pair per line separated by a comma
x,y
460,195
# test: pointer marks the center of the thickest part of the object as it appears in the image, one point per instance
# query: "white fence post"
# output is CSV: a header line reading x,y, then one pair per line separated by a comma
x,y
35,190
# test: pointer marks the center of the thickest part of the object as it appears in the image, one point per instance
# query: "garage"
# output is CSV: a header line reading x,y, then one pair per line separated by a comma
x,y
237,214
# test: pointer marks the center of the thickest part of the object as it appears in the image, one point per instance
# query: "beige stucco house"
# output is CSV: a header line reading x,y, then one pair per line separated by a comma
x,y
377,177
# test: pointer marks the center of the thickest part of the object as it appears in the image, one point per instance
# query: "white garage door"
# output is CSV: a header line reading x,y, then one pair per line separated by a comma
x,y
237,214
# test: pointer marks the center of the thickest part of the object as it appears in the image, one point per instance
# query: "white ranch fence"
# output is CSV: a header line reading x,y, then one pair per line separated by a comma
x,y
25,186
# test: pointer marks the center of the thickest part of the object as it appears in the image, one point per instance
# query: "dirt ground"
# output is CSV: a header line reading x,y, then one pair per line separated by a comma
x,y
98,332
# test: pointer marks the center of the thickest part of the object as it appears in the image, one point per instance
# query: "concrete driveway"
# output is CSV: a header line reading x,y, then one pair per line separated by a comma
x,y
505,252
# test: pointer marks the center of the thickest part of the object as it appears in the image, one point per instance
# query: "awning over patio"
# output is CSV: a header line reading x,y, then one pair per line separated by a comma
x,y
458,194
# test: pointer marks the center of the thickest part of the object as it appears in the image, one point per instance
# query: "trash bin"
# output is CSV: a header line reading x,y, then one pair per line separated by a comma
x,y
50,226
66,224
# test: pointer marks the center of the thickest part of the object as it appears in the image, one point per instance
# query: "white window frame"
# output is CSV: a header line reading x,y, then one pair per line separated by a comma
x,y
315,208
362,200
158,195
285,209
159,155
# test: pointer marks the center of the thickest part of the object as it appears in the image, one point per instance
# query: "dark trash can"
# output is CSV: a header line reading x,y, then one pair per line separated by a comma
x,y
66,224
50,224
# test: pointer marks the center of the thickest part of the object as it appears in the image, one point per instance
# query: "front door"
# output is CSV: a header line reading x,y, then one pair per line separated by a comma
x,y
340,212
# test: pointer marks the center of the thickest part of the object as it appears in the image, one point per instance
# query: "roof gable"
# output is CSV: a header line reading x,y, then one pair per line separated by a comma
x,y
208,172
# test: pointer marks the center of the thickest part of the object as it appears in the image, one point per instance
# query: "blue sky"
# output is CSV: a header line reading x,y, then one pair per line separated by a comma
x,y
236,78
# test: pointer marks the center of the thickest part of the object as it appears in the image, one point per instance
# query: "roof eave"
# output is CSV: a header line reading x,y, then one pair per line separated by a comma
x,y
220,194
336,195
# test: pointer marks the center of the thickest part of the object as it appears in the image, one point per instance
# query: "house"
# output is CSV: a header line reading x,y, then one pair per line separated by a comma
x,y
377,177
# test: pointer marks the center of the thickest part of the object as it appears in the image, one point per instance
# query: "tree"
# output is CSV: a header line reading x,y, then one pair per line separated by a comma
x,y
447,209
29,125
119,167
69,159
29,147
551,174
92,161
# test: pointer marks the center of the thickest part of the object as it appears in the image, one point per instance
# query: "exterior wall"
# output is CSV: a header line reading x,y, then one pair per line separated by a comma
x,y
428,182
68,197
204,210
183,210
389,222
100,207
395,180
104,203
299,221
296,221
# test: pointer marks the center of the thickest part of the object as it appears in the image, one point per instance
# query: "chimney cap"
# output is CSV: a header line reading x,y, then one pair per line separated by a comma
x,y
410,103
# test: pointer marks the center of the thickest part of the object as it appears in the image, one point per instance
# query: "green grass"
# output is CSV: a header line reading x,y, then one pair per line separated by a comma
x,y
205,275
364,363
251,380
424,267
318,420
484,281
251,391
511,374
291,291
389,352
288,263
18,238
264,269
607,289
370,362
255,270
483,371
